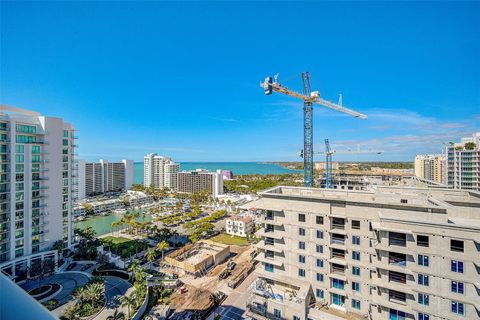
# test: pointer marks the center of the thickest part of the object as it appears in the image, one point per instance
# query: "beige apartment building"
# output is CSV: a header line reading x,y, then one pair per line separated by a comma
x,y
200,180
388,253
159,172
431,167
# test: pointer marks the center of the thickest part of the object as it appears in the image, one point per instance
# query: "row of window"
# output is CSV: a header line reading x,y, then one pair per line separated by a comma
x,y
319,220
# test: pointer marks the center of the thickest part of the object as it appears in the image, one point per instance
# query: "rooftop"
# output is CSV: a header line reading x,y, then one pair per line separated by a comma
x,y
439,206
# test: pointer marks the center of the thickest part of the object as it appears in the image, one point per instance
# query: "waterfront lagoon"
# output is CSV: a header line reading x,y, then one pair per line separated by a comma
x,y
103,224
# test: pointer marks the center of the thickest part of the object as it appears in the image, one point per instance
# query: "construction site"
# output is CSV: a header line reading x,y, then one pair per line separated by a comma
x,y
204,287
197,258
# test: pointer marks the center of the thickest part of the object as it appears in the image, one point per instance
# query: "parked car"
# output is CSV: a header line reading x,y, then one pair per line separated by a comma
x,y
231,265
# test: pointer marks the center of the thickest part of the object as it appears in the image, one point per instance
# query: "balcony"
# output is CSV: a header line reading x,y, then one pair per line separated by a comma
x,y
397,239
267,245
338,224
338,239
397,297
337,254
260,312
397,277
397,259
279,293
337,269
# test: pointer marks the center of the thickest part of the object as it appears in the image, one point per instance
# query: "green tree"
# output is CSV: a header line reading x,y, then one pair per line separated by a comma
x,y
151,255
162,246
117,315
133,266
59,245
71,312
129,301
88,208
470,146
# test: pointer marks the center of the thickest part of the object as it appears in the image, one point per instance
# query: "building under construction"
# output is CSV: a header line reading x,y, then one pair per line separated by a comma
x,y
197,258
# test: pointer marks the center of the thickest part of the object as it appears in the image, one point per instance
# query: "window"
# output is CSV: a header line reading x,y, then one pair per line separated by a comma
x,y
320,263
356,240
296,318
319,293
301,231
355,286
458,308
355,255
319,219
458,287
319,234
355,224
423,260
423,299
301,217
269,254
338,284
422,241
403,201
301,259
423,316
423,279
355,304
319,277
277,313
356,271
396,315
319,248
269,267
456,266
19,148
301,272
301,245
456,245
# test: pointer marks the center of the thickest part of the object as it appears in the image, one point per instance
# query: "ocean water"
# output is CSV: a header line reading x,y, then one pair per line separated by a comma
x,y
235,167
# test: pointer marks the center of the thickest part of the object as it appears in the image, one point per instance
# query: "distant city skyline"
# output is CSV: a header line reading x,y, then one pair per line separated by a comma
x,y
181,79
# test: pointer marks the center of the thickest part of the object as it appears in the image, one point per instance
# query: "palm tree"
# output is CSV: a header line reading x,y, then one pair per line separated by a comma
x,y
133,266
95,292
164,234
151,255
162,246
129,302
117,315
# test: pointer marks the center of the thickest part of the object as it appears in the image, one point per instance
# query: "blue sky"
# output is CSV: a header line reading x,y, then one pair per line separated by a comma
x,y
181,79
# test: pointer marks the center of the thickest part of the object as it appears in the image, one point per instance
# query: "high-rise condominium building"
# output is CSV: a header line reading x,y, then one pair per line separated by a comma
x,y
463,163
200,180
100,177
431,167
388,253
36,187
159,172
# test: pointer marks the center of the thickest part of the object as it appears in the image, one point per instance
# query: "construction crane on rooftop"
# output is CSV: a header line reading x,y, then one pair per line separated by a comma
x,y
328,161
309,98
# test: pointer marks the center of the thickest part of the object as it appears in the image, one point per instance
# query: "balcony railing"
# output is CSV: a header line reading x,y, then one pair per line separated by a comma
x,y
397,277
397,242
338,226
338,241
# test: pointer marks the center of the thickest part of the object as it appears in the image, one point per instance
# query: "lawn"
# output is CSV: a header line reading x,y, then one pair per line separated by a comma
x,y
230,240
123,246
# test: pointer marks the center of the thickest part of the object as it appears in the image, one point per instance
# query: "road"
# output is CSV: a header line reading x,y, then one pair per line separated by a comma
x,y
236,303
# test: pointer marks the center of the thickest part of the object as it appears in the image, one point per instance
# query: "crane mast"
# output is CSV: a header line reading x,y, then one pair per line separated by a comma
x,y
307,133
309,98
328,166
